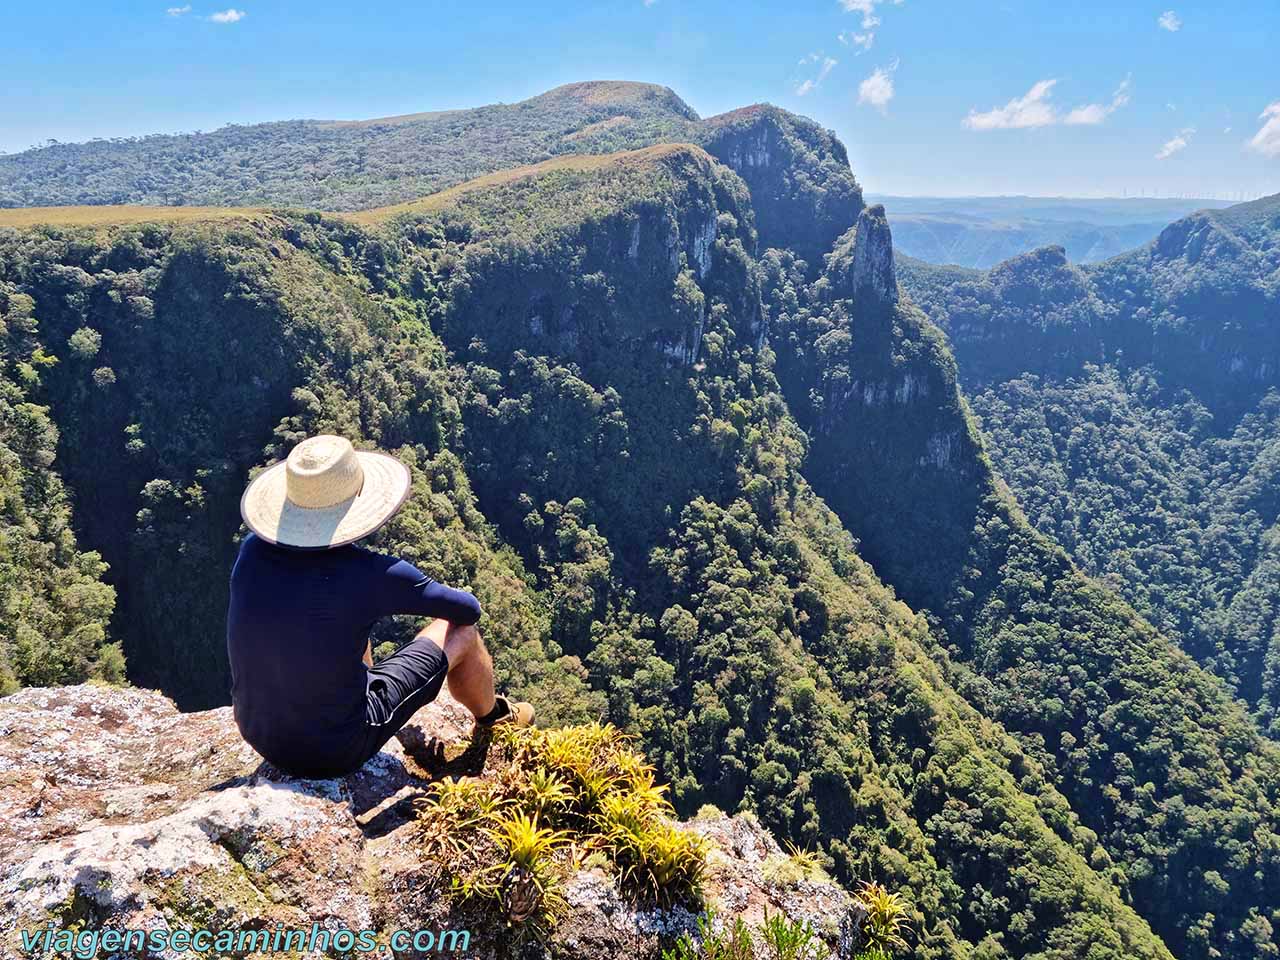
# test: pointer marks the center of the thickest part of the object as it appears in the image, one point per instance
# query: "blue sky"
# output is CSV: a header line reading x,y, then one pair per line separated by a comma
x,y
945,97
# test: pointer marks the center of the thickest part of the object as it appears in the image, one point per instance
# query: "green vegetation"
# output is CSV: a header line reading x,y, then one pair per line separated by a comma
x,y
778,939
219,345
1198,304
884,922
738,647
805,194
1130,406
729,500
54,607
1149,751
1136,485
342,166
556,800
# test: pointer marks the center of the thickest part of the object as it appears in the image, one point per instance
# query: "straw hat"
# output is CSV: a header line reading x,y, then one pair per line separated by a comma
x,y
326,494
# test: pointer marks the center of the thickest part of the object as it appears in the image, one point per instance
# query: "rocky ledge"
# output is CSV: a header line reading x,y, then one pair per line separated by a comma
x,y
117,811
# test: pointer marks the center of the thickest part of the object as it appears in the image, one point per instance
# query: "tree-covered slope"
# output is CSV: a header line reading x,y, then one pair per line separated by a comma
x,y
343,165
716,601
54,607
1150,750
602,452
1129,405
186,353
647,420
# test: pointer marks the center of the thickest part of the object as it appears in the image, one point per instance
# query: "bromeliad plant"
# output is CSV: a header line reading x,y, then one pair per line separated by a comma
x,y
550,800
884,922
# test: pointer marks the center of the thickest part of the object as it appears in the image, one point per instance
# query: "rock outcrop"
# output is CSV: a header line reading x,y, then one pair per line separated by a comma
x,y
117,811
861,265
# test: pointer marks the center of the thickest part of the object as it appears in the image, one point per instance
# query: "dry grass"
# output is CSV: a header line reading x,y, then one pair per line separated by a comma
x,y
109,216
578,162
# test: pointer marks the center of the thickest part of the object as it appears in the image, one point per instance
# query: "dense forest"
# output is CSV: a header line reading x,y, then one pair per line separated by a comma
x,y
707,481
1132,408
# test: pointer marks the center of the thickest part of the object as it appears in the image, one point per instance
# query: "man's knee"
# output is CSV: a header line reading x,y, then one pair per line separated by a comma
x,y
462,643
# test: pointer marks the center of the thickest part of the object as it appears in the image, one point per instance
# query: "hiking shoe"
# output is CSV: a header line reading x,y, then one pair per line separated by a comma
x,y
518,713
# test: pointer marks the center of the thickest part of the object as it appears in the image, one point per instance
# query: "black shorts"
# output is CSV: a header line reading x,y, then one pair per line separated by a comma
x,y
399,686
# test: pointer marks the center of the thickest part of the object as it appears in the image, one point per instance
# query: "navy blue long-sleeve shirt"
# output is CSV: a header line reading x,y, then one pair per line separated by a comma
x,y
297,628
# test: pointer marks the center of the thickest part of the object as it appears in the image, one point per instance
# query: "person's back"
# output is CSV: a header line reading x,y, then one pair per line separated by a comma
x,y
303,600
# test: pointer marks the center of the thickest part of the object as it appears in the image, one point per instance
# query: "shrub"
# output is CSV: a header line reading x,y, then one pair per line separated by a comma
x,y
551,801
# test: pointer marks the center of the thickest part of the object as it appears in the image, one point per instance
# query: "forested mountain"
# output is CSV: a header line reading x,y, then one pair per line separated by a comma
x,y
706,481
355,165
1132,407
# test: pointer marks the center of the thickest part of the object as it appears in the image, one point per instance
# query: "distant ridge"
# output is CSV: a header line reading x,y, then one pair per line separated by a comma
x,y
982,231
346,164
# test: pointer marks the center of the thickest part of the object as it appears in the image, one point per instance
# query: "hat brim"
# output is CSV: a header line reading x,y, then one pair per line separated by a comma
x,y
267,511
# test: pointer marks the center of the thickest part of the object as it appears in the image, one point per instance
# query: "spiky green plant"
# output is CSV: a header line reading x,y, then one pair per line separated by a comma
x,y
809,862
734,942
527,845
791,939
545,792
661,863
885,921
552,800
530,872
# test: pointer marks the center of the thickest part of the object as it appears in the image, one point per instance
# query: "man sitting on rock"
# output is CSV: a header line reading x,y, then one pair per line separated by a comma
x,y
303,599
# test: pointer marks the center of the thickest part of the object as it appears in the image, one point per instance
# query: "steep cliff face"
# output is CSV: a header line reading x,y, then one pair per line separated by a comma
x,y
658,225
803,192
874,383
1130,405
119,812
1034,305
182,322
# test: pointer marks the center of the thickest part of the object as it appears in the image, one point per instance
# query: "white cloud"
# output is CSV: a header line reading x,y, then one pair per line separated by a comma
x,y
812,83
1092,114
1177,144
1169,21
1033,109
231,15
868,10
877,89
861,41
1267,140
178,11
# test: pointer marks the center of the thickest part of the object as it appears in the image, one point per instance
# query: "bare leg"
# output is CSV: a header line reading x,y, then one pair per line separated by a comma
x,y
470,666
